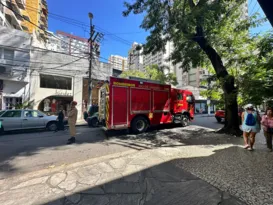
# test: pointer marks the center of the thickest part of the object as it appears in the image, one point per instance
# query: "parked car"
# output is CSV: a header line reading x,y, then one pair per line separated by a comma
x,y
220,115
26,119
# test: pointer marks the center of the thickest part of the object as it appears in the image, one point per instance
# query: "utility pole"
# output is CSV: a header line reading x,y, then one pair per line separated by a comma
x,y
90,60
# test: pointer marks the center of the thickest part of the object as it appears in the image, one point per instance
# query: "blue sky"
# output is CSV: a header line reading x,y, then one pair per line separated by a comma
x,y
108,16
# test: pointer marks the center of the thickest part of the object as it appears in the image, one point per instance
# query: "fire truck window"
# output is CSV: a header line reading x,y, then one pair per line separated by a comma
x,y
179,96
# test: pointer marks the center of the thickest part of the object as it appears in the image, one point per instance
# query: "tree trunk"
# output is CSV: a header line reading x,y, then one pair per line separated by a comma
x,y
230,91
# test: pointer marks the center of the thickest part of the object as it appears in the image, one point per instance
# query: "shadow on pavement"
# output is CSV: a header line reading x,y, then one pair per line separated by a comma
x,y
30,144
162,184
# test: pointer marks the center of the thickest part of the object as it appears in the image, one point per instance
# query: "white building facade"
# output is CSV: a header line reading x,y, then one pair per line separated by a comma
x,y
14,66
135,57
118,62
59,79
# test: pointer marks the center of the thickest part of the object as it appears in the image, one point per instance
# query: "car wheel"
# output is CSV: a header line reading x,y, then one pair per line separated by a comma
x,y
52,126
185,121
139,125
93,122
218,119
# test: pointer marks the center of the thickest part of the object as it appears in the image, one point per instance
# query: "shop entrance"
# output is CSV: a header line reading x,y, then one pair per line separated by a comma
x,y
52,104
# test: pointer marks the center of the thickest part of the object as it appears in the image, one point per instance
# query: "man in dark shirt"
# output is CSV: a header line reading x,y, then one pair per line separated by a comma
x,y
60,120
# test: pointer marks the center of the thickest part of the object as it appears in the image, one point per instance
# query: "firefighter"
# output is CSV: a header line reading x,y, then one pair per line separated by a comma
x,y
72,119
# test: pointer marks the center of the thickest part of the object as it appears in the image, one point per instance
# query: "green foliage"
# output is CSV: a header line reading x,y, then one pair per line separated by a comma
x,y
24,105
185,22
197,27
153,72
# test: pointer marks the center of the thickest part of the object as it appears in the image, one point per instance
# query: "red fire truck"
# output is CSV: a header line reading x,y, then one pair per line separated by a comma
x,y
139,103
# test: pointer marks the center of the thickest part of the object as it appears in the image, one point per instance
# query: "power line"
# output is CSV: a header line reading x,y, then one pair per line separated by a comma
x,y
46,51
83,25
253,8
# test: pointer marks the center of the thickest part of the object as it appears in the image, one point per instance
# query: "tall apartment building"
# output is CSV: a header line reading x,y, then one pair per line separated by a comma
x,y
118,62
135,58
38,15
160,58
72,44
13,13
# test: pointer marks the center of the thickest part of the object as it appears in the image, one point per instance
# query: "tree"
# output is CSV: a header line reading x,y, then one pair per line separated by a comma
x,y
196,28
254,56
153,72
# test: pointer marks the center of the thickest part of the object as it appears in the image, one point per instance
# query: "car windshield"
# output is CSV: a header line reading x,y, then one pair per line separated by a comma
x,y
1,112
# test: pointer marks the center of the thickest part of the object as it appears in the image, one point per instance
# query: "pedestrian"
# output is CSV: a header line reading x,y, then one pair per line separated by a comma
x,y
267,122
250,126
72,119
60,124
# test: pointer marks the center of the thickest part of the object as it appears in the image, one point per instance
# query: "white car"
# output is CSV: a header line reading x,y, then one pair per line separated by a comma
x,y
26,119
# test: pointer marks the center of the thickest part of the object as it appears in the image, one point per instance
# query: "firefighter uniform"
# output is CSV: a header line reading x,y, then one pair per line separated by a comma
x,y
72,119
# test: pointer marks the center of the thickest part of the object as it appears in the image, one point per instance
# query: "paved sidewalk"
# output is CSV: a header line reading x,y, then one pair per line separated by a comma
x,y
148,177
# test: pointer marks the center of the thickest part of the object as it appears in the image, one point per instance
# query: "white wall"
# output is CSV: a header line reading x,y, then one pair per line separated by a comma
x,y
66,66
18,41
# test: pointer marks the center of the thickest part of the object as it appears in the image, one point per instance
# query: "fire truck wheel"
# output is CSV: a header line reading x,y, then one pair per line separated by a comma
x,y
139,125
185,121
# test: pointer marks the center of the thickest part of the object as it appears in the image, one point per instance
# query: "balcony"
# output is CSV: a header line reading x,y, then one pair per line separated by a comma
x,y
13,73
12,19
25,15
13,6
21,4
43,17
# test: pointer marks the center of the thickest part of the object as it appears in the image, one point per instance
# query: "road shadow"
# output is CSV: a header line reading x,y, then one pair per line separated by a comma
x,y
30,144
164,184
172,136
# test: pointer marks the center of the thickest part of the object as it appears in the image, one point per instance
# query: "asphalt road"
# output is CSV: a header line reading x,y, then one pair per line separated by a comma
x,y
207,121
27,152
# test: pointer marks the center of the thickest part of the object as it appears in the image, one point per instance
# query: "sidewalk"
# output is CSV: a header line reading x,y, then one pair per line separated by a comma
x,y
148,177
81,122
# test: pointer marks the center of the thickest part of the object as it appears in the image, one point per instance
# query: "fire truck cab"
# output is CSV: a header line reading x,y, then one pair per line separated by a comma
x,y
139,103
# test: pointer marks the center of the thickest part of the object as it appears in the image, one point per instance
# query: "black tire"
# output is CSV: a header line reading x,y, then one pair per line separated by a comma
x,y
93,122
185,121
139,125
218,119
52,126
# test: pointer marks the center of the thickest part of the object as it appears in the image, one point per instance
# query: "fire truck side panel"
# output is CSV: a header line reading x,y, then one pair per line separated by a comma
x,y
119,107
140,101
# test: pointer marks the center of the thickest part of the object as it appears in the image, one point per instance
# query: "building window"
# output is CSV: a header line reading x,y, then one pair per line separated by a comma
x,y
11,102
55,82
12,113
8,54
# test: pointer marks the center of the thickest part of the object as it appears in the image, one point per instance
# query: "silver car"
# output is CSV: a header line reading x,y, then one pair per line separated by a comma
x,y
26,119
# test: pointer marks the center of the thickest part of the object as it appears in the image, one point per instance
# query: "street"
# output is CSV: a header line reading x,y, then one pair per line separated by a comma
x,y
27,152
213,158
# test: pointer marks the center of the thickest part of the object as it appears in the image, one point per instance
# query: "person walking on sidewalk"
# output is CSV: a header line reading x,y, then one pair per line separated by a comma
x,y
72,119
60,125
267,122
250,126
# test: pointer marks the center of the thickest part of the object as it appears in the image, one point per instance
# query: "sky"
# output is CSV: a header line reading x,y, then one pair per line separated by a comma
x,y
107,16
120,32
